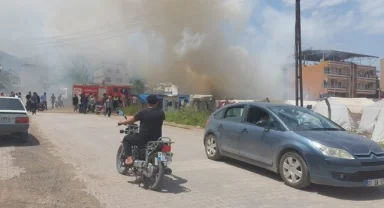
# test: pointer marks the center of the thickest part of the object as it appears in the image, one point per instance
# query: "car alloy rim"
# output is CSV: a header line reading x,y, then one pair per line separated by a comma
x,y
292,170
211,146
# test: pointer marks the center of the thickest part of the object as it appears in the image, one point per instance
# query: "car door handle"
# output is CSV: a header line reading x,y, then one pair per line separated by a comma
x,y
221,126
244,131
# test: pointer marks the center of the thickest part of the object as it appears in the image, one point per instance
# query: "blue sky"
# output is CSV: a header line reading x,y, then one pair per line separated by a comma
x,y
348,25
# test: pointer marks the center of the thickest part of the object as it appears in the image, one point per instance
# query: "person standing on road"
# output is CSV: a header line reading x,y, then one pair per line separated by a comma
x,y
83,104
75,103
28,100
53,99
34,103
108,106
60,100
43,99
38,100
151,123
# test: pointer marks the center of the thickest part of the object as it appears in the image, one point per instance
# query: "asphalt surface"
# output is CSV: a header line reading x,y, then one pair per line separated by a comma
x,y
70,162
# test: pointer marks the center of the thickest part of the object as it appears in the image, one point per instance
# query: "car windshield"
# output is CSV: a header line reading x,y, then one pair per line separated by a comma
x,y
301,119
11,104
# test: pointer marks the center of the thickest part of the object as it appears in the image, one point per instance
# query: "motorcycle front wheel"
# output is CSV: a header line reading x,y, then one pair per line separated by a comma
x,y
156,181
120,161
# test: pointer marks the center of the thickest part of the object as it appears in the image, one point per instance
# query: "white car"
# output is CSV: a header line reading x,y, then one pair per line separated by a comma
x,y
14,120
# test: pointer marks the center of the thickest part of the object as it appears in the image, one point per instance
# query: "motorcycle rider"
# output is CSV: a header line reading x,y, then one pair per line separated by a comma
x,y
151,123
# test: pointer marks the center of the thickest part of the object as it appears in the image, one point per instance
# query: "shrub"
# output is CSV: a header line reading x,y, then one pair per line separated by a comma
x,y
131,110
188,116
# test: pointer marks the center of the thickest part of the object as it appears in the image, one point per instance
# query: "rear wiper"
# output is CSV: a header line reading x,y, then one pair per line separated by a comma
x,y
326,129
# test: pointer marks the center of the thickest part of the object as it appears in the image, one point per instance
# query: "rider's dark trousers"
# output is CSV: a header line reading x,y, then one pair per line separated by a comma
x,y
132,139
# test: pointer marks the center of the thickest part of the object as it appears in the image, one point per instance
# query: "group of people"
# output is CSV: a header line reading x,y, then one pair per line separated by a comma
x,y
82,103
18,94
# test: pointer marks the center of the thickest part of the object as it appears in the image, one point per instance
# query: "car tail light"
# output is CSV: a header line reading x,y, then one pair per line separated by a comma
x,y
22,120
166,148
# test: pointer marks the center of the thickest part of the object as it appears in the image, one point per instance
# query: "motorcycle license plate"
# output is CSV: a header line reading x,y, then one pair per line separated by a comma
x,y
164,157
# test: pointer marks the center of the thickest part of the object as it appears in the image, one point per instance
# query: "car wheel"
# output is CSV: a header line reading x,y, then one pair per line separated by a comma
x,y
24,137
294,170
211,148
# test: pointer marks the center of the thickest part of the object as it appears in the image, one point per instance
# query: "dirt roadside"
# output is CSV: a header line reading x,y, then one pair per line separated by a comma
x,y
46,181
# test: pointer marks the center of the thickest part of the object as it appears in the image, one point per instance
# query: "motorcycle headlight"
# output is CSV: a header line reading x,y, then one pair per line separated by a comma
x,y
333,152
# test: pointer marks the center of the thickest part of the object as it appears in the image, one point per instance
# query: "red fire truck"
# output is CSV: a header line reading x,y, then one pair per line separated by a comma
x,y
99,90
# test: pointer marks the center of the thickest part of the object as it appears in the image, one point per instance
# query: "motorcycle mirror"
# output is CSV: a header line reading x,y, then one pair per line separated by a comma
x,y
120,112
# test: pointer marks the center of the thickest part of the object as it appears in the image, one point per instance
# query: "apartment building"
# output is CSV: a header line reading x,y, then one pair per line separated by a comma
x,y
382,75
334,73
111,74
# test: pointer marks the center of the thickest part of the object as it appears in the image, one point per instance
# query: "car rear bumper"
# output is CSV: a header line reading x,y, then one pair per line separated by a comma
x,y
13,129
344,173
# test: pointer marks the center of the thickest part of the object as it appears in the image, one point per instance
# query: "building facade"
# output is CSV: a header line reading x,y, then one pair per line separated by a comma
x,y
382,75
111,74
338,78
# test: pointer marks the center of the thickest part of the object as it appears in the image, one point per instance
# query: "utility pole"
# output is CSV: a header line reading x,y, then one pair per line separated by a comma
x,y
298,61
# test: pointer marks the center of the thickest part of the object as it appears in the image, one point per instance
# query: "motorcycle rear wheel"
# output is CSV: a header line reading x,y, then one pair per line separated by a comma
x,y
156,181
120,161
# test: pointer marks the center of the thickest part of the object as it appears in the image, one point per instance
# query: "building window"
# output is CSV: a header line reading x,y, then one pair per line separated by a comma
x,y
119,80
108,79
109,70
326,70
325,84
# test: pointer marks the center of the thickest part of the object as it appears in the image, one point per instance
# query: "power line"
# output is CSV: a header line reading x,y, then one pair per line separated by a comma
x,y
104,27
121,34
156,25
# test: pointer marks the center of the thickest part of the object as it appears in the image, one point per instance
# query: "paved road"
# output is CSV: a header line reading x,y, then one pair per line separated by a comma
x,y
83,148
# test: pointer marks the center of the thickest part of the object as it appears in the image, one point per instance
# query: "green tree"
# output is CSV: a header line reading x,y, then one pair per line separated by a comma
x,y
8,81
139,85
78,71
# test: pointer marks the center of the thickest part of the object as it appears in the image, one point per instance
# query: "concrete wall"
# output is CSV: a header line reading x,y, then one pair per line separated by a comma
x,y
313,79
382,74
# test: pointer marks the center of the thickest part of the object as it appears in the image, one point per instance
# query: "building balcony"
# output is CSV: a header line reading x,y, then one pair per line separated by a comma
x,y
366,77
341,76
336,88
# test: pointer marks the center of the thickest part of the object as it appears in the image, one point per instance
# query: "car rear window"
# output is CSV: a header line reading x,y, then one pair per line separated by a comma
x,y
11,104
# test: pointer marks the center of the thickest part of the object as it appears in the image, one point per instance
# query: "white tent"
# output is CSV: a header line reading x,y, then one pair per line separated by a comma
x,y
372,121
355,105
340,113
305,103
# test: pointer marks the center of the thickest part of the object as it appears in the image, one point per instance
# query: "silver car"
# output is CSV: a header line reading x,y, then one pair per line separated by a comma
x,y
14,120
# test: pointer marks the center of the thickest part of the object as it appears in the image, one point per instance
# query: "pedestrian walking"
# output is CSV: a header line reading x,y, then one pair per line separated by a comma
x,y
75,103
28,101
108,106
53,99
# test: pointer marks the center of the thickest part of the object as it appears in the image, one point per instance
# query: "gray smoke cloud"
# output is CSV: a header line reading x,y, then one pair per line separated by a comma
x,y
191,43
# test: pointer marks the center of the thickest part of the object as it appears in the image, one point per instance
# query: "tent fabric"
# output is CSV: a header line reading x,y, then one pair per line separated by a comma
x,y
340,113
372,121
378,132
355,105
305,103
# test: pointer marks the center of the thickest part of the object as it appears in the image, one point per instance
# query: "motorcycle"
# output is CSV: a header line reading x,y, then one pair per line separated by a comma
x,y
151,161
91,107
42,106
99,109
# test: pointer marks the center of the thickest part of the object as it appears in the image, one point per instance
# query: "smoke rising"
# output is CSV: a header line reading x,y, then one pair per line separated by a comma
x,y
191,43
